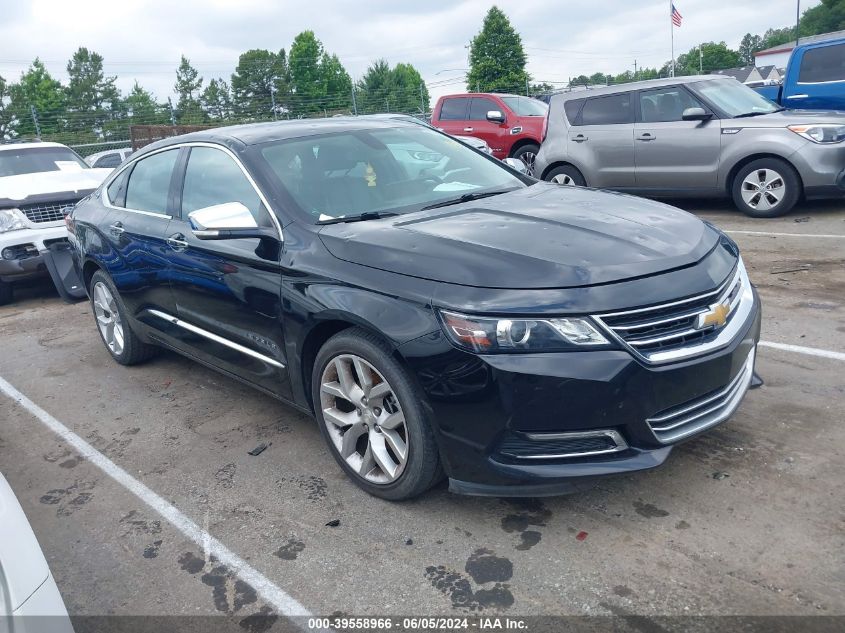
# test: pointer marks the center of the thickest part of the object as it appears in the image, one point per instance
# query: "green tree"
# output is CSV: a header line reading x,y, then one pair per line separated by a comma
x,y
39,90
7,118
823,18
374,88
397,89
307,89
749,45
91,97
337,83
142,108
776,37
217,100
189,88
496,57
713,56
259,81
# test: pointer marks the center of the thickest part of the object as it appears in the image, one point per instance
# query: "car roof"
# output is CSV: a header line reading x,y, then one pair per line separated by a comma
x,y
636,85
482,94
29,145
238,137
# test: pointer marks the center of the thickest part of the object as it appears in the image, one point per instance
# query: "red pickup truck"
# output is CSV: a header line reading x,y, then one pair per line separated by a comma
x,y
512,125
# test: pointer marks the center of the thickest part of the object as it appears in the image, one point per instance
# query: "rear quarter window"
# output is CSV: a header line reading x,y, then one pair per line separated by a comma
x,y
826,63
573,109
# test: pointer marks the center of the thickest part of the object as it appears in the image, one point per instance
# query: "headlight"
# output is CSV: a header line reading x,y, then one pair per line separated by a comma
x,y
492,335
821,133
12,220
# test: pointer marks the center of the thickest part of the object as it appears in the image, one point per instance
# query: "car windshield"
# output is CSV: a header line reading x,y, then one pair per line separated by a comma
x,y
33,160
735,99
526,106
381,171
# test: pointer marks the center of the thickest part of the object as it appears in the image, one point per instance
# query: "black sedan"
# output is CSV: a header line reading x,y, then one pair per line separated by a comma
x,y
439,313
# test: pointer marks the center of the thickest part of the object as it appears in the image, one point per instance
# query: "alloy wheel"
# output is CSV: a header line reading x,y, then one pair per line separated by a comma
x,y
528,159
763,189
563,179
364,419
108,318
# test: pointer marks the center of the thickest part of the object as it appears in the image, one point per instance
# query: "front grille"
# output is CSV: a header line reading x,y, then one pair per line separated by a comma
x,y
701,413
47,211
561,445
672,326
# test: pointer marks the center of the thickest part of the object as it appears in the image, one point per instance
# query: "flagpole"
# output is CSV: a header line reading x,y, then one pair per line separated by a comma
x,y
672,37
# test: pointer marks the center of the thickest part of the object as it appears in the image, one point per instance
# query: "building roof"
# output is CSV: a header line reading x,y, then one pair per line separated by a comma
x,y
741,74
810,39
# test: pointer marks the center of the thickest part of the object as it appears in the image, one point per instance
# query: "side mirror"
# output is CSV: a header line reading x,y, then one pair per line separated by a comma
x,y
495,116
227,221
518,165
696,114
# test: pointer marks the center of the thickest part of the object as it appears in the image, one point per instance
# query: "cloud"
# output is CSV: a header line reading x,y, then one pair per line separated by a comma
x,y
143,39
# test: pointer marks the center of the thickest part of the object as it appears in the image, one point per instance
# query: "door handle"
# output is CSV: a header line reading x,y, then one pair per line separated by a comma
x,y
117,229
177,242
579,138
468,129
646,136
797,96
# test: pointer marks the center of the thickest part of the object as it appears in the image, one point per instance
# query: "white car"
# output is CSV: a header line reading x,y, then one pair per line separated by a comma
x,y
109,158
29,599
37,181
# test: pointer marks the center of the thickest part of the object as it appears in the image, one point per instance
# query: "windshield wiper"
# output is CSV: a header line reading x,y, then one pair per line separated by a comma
x,y
367,215
749,114
467,197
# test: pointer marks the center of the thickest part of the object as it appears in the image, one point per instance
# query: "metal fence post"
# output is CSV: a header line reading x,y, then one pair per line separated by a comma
x,y
35,121
354,102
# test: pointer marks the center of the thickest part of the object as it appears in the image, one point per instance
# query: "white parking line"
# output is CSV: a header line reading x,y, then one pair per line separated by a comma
x,y
282,603
767,234
798,349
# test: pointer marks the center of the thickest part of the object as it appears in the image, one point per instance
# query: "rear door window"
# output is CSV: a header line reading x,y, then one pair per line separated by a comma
x,y
149,182
109,160
826,63
480,107
609,110
454,109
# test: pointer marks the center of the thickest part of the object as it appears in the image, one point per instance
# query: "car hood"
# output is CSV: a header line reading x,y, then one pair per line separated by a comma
x,y
19,188
543,236
787,117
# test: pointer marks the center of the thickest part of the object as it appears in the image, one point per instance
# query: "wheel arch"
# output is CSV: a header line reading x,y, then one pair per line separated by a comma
x,y
562,163
88,269
522,143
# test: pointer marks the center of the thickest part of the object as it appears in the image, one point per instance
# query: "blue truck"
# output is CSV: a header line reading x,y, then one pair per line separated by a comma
x,y
814,79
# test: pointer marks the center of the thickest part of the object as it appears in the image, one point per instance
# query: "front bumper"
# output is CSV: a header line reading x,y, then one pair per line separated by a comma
x,y
26,247
822,169
481,404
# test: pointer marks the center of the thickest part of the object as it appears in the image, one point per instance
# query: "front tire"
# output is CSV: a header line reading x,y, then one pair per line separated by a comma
x,y
566,175
371,416
766,188
528,155
6,293
116,333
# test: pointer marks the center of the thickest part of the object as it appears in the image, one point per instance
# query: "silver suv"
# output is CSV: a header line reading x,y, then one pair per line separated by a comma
x,y
696,137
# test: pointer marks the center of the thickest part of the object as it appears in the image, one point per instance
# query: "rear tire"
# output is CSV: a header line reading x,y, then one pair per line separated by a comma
x,y
528,155
110,315
766,188
6,293
372,418
566,175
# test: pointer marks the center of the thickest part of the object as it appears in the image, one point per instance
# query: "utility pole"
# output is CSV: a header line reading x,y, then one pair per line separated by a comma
x,y
797,21
354,102
527,91
700,60
635,70
273,101
35,121
422,99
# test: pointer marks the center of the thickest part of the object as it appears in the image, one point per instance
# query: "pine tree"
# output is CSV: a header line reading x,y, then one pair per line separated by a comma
x,y
259,81
91,98
39,90
496,57
189,88
306,85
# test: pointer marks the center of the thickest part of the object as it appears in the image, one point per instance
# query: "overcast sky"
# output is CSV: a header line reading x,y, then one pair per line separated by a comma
x,y
143,39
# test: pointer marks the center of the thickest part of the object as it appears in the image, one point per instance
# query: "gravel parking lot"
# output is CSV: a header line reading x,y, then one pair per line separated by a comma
x,y
746,519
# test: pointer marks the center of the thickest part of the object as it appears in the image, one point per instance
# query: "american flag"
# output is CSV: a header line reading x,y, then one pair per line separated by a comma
x,y
676,16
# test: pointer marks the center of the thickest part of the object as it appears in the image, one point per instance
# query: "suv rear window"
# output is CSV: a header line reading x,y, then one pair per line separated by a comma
x,y
826,63
454,109
608,110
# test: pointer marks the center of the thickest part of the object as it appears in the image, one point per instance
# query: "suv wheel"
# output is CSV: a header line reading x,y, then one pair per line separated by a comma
x,y
766,188
5,293
371,417
110,313
566,175
527,154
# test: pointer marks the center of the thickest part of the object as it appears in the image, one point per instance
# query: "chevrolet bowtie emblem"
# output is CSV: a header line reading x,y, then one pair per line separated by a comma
x,y
715,317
